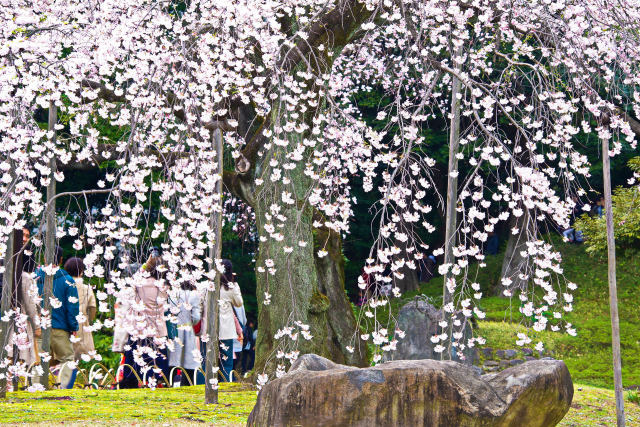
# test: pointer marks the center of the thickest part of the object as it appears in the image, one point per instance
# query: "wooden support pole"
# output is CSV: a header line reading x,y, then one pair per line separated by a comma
x,y
49,245
452,179
613,291
5,306
452,196
215,252
16,289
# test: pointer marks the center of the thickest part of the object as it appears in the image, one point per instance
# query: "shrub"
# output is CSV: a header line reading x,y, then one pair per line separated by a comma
x,y
626,220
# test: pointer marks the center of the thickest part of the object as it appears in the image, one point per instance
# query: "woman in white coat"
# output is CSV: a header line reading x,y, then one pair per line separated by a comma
x,y
183,351
230,297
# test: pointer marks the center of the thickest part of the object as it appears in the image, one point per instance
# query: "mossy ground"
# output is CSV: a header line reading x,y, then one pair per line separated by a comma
x,y
183,406
594,406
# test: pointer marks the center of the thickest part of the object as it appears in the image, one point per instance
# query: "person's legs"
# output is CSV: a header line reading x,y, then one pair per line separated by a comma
x,y
62,352
245,360
129,379
252,359
199,377
237,363
226,359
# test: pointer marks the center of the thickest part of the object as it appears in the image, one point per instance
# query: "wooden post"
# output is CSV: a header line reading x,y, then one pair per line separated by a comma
x,y
452,179
215,252
4,307
16,289
613,291
452,195
49,246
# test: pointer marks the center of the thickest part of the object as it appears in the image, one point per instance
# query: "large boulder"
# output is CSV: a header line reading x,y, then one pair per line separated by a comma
x,y
419,321
317,392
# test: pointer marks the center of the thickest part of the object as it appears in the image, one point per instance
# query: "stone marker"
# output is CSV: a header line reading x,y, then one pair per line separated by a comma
x,y
419,321
317,392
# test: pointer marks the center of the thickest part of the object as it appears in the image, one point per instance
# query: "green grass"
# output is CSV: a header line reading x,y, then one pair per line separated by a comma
x,y
588,355
594,406
591,407
163,406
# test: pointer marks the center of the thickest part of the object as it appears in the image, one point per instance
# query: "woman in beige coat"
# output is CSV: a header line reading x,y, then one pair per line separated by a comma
x,y
230,296
145,321
87,302
29,330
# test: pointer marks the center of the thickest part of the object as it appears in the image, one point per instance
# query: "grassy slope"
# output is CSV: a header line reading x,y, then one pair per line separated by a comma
x,y
588,355
591,407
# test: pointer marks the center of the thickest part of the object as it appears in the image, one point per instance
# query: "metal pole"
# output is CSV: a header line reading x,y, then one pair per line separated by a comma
x,y
215,252
49,245
613,291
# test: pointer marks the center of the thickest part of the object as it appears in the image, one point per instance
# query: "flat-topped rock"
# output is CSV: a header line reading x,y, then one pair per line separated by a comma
x,y
317,392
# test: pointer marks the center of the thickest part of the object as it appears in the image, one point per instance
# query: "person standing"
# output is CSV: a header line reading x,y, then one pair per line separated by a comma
x,y
88,307
146,348
230,297
185,353
64,319
249,350
29,330
238,343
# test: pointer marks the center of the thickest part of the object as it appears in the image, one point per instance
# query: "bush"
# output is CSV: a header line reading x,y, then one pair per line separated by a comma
x,y
626,220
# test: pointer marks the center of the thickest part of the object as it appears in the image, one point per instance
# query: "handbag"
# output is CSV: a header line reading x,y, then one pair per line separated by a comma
x,y
120,338
197,327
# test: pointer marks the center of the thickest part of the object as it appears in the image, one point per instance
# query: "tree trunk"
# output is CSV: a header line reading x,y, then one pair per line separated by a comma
x,y
292,289
215,250
304,288
613,291
339,317
514,263
49,247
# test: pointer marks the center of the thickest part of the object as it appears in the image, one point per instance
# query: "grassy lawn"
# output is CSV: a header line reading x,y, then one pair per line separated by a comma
x,y
182,406
591,407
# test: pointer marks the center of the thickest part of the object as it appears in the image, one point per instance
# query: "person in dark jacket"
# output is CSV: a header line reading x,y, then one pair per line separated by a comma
x,y
64,322
249,349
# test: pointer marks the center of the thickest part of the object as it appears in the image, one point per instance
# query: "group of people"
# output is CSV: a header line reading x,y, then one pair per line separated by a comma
x,y
159,331
73,308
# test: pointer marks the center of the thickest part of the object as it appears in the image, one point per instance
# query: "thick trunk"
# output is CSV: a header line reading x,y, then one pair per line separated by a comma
x,y
292,289
342,329
307,289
